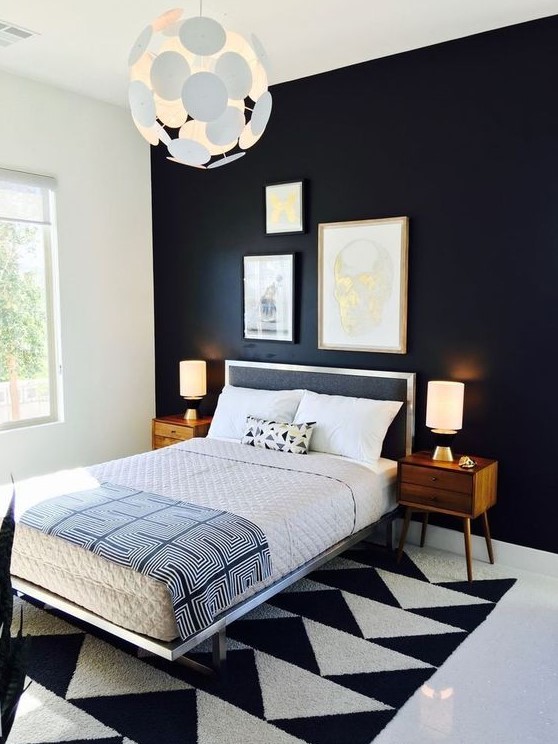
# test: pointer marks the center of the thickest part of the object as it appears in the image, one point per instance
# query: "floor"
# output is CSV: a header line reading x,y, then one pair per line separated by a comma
x,y
501,684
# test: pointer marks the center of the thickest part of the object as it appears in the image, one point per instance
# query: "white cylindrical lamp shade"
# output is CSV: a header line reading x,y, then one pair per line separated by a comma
x,y
444,405
193,383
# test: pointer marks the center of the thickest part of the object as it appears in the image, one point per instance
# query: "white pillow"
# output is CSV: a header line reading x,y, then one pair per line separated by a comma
x,y
236,403
352,427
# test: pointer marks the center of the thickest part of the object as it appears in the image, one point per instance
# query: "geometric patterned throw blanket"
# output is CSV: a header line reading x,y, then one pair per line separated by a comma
x,y
206,557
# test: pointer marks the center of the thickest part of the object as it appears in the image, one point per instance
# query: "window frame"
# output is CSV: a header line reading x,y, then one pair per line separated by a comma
x,y
52,300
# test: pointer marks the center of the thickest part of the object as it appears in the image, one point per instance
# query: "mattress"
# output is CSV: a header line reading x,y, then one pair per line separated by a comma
x,y
304,505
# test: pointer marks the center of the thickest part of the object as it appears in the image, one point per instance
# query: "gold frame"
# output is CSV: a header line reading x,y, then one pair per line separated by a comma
x,y
395,251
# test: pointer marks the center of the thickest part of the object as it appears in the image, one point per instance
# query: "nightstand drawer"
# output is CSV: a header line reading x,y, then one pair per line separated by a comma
x,y
172,431
436,478
435,498
164,442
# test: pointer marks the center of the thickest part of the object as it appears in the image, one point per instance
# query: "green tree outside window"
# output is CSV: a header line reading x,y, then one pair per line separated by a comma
x,y
22,309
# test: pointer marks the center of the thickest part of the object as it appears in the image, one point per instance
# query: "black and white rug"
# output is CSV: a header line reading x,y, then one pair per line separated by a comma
x,y
329,661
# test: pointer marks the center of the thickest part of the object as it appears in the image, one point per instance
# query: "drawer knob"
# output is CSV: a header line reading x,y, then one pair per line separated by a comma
x,y
173,431
433,478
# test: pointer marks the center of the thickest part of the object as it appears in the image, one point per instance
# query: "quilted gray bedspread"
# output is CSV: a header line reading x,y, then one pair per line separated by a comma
x,y
303,503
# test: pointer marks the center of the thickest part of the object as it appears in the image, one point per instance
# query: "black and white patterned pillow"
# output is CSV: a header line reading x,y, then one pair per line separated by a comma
x,y
293,438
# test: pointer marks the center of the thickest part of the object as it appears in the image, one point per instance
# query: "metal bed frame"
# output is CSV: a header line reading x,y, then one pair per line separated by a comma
x,y
274,376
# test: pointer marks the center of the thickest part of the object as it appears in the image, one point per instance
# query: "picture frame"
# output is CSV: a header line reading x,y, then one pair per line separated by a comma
x,y
284,208
362,285
268,297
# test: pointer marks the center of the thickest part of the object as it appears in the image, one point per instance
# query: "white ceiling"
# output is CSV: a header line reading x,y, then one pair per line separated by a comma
x,y
84,46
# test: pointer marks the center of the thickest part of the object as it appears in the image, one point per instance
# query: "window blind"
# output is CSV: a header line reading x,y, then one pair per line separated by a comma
x,y
25,197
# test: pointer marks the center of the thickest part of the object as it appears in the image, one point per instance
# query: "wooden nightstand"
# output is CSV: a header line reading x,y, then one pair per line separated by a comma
x,y
167,430
427,486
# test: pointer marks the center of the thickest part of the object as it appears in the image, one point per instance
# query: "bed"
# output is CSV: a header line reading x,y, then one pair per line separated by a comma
x,y
308,508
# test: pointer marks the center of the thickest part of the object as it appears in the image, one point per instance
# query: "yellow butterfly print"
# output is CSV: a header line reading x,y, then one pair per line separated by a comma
x,y
286,206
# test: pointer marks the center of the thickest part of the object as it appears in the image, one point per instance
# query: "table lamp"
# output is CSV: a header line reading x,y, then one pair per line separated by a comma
x,y
444,415
193,385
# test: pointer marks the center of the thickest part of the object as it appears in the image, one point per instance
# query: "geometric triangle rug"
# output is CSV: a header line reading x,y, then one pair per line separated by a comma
x,y
328,661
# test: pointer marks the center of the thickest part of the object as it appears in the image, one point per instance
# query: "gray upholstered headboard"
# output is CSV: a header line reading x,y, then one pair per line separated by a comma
x,y
333,381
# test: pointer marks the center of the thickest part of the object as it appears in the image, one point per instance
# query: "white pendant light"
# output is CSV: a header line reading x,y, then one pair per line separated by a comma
x,y
199,89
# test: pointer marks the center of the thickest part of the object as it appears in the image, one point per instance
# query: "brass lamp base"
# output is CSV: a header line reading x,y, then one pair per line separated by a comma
x,y
443,453
442,449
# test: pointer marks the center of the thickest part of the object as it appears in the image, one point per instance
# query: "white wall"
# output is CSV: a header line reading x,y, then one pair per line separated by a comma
x,y
102,167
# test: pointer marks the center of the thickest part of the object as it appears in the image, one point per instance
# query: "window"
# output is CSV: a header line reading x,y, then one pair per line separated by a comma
x,y
29,348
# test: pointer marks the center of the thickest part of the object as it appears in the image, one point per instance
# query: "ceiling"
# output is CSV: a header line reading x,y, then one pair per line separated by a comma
x,y
84,46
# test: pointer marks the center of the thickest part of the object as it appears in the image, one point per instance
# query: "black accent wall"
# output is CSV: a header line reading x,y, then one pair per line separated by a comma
x,y
463,139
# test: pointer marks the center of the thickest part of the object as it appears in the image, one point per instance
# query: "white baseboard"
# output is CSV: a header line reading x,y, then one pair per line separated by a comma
x,y
506,554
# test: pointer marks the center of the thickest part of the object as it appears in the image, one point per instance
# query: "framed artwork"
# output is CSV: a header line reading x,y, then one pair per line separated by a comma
x,y
284,208
362,285
268,297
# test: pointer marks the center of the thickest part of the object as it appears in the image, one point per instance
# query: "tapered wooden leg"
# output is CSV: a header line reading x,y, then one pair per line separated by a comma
x,y
467,533
404,533
389,535
486,529
423,530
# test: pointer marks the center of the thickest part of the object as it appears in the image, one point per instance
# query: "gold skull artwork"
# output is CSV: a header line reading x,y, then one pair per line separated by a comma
x,y
363,284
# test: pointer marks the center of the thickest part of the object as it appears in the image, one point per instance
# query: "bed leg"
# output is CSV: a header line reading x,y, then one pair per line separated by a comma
x,y
219,652
218,666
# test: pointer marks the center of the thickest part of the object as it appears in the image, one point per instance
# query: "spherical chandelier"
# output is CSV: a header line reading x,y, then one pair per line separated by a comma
x,y
199,89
